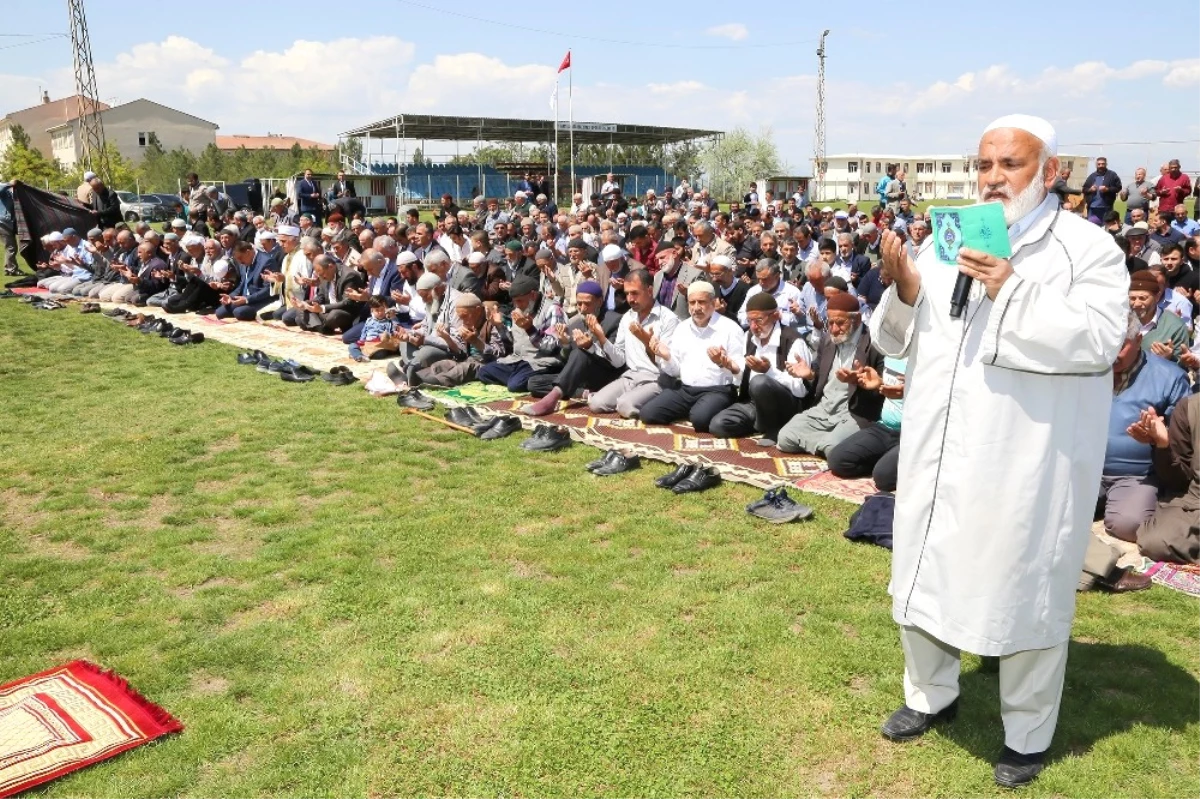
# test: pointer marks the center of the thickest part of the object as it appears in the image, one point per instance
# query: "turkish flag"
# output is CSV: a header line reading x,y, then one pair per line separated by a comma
x,y
566,62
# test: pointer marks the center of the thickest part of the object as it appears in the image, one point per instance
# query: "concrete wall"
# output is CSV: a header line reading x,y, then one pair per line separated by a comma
x,y
128,126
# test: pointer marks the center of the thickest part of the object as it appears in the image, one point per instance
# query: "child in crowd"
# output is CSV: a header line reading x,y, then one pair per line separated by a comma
x,y
377,330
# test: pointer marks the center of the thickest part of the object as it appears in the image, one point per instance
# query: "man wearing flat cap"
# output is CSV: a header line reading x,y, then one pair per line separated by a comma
x,y
533,344
839,405
476,340
1005,418
768,395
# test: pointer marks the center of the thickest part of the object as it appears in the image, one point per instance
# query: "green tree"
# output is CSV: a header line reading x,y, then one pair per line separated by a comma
x,y
418,158
123,174
23,162
211,164
738,158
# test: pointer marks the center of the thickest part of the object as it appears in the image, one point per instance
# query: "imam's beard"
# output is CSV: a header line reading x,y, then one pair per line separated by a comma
x,y
1017,207
839,340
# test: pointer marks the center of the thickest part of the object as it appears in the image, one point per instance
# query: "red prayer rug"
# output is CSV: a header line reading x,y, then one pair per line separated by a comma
x,y
70,717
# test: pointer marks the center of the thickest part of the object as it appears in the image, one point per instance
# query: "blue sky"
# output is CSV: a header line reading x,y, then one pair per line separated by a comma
x,y
901,78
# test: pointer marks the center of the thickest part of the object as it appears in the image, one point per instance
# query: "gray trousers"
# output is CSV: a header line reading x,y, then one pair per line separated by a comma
x,y
1128,502
8,248
626,395
425,355
449,373
815,432
770,407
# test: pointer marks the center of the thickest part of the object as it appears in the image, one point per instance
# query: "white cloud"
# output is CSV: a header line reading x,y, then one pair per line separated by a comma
x,y
734,31
1183,73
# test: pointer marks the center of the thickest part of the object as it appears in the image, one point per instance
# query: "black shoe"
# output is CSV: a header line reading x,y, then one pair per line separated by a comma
x,y
333,375
298,374
166,330
619,464
603,460
672,478
552,440
782,509
701,479
906,724
502,427
278,367
345,378
463,417
767,499
487,424
89,307
116,313
1015,769
247,358
415,399
179,336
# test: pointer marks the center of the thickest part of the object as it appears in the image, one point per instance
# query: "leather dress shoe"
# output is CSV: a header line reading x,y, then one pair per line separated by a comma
x,y
552,439
502,427
90,307
603,460
618,465
1015,769
415,399
701,479
298,374
487,424
672,478
166,330
256,357
277,367
906,724
463,416
1123,581
332,375
117,313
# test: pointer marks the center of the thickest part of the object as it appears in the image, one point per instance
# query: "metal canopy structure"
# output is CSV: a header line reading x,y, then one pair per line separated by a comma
x,y
457,128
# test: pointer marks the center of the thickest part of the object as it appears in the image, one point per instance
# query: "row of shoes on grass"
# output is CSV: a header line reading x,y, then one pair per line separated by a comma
x,y
153,326
291,371
41,302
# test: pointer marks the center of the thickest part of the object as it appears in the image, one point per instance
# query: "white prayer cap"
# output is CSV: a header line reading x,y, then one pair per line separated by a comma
x,y
327,231
267,234
611,252
288,230
88,177
406,257
476,258
1034,126
701,287
723,260
192,240
178,223
428,281
54,237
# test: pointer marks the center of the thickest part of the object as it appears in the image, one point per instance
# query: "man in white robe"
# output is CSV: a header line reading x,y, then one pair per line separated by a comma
x,y
1005,419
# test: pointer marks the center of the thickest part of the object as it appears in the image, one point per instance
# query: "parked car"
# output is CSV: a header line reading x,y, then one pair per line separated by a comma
x,y
172,202
144,208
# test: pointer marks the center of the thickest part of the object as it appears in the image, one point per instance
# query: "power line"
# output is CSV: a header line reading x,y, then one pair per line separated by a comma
x,y
601,39
35,41
27,35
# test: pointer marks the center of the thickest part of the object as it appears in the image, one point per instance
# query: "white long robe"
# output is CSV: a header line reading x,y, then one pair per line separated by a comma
x,y
1005,427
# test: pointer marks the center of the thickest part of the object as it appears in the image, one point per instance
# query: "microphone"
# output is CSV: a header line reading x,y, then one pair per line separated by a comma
x,y
962,292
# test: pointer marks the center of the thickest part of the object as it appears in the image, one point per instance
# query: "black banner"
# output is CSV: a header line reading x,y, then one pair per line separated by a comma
x,y
41,212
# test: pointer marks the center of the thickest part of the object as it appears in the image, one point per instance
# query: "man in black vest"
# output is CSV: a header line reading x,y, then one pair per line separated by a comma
x,y
770,394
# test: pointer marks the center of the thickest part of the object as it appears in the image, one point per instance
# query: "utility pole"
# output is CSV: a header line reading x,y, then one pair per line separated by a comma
x,y
90,126
819,132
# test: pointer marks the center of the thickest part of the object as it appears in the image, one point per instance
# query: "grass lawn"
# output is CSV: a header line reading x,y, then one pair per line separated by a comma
x,y
338,599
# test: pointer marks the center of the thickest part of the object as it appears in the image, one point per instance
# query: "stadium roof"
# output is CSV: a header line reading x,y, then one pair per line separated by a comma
x,y
456,128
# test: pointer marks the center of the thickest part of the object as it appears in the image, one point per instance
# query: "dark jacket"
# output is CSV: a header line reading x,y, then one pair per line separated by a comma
x,y
338,188
148,284
251,284
107,206
1106,199
347,277
864,406
734,299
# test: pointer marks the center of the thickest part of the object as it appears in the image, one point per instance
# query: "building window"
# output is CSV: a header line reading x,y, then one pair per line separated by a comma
x,y
851,166
851,190
144,138
920,168
877,167
945,167
867,188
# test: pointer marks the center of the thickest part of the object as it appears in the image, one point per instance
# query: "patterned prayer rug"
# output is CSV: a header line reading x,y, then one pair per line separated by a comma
x,y
66,718
737,459
471,394
1183,577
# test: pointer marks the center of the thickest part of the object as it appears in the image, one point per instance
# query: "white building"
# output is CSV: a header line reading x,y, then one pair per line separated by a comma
x,y
855,176
130,126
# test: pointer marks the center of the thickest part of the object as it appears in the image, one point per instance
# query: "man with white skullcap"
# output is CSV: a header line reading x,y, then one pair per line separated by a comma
x,y
704,357
1005,423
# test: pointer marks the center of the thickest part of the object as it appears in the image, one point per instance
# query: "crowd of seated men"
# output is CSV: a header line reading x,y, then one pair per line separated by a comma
x,y
747,323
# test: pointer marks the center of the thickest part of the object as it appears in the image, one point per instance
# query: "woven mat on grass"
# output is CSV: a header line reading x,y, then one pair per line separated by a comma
x,y
739,460
70,717
472,394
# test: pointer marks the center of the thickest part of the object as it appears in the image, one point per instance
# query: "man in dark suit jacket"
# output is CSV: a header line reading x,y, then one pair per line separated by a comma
x,y
251,292
839,405
1100,189
340,188
308,197
330,309
382,277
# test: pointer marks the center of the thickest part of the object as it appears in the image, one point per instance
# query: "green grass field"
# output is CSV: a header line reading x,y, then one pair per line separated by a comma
x,y
340,600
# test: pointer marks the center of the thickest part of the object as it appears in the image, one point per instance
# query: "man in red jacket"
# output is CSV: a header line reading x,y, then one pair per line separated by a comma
x,y
1173,188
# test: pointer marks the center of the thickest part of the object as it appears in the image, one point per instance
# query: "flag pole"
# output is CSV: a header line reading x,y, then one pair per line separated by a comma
x,y
555,159
571,114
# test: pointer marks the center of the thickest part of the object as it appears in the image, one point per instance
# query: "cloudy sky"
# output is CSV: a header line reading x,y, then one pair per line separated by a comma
x,y
908,78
